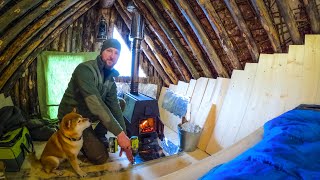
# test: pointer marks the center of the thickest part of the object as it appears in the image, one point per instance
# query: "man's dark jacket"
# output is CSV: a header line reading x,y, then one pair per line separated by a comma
x,y
92,90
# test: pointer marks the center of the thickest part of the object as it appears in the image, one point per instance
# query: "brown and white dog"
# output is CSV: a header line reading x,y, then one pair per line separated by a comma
x,y
65,144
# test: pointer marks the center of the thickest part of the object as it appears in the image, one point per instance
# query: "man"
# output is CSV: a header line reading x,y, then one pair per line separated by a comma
x,y
93,92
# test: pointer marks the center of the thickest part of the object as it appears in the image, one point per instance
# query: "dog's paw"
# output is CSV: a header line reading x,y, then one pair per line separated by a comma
x,y
82,173
57,172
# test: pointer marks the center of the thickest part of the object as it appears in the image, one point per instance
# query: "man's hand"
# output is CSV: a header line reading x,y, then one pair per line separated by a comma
x,y
125,144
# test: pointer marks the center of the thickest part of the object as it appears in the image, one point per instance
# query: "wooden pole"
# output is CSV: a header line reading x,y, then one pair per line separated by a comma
x,y
267,24
32,31
16,12
13,32
22,56
220,31
313,14
187,37
166,44
202,37
75,13
288,16
173,39
238,18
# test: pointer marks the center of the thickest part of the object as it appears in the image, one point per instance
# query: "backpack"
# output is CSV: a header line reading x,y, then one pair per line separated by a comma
x,y
11,118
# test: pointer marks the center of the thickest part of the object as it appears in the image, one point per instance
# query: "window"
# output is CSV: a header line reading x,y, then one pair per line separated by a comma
x,y
125,60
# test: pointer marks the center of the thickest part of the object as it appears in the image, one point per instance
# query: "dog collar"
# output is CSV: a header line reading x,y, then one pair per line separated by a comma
x,y
72,139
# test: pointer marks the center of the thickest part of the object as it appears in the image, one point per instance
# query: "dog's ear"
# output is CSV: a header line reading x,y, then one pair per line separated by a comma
x,y
68,124
74,110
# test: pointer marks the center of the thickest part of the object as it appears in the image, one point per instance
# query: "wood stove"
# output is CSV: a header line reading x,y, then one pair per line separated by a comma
x,y
141,114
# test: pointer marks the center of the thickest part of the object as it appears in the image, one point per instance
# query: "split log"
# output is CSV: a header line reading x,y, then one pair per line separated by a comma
x,y
16,12
13,32
16,97
86,32
162,60
112,21
156,65
62,41
187,37
156,29
313,14
83,5
31,32
24,92
267,24
33,93
173,39
186,10
288,16
79,35
54,46
220,31
238,18
74,36
69,38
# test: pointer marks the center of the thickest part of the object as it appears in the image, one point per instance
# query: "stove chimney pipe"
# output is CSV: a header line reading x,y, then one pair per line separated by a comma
x,y
136,35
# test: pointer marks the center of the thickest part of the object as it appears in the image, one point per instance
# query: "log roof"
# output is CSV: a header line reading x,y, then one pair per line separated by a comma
x,y
184,39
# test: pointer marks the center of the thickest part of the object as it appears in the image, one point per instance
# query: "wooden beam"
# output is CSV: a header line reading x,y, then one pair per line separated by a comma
x,y
221,32
187,37
13,32
166,43
186,10
4,3
31,32
86,40
155,64
288,16
24,53
313,14
173,38
246,34
16,12
267,24
161,59
74,13
156,53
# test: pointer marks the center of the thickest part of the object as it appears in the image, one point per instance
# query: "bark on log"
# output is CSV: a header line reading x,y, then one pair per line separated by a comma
x,y
33,93
62,41
74,36
16,12
174,40
54,46
238,18
31,32
79,34
313,14
83,5
24,92
220,31
288,16
75,13
156,65
86,32
112,21
186,35
267,24
162,60
203,38
69,38
9,35
154,27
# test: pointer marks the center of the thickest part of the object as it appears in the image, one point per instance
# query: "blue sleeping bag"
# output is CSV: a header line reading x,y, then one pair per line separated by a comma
x,y
290,149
